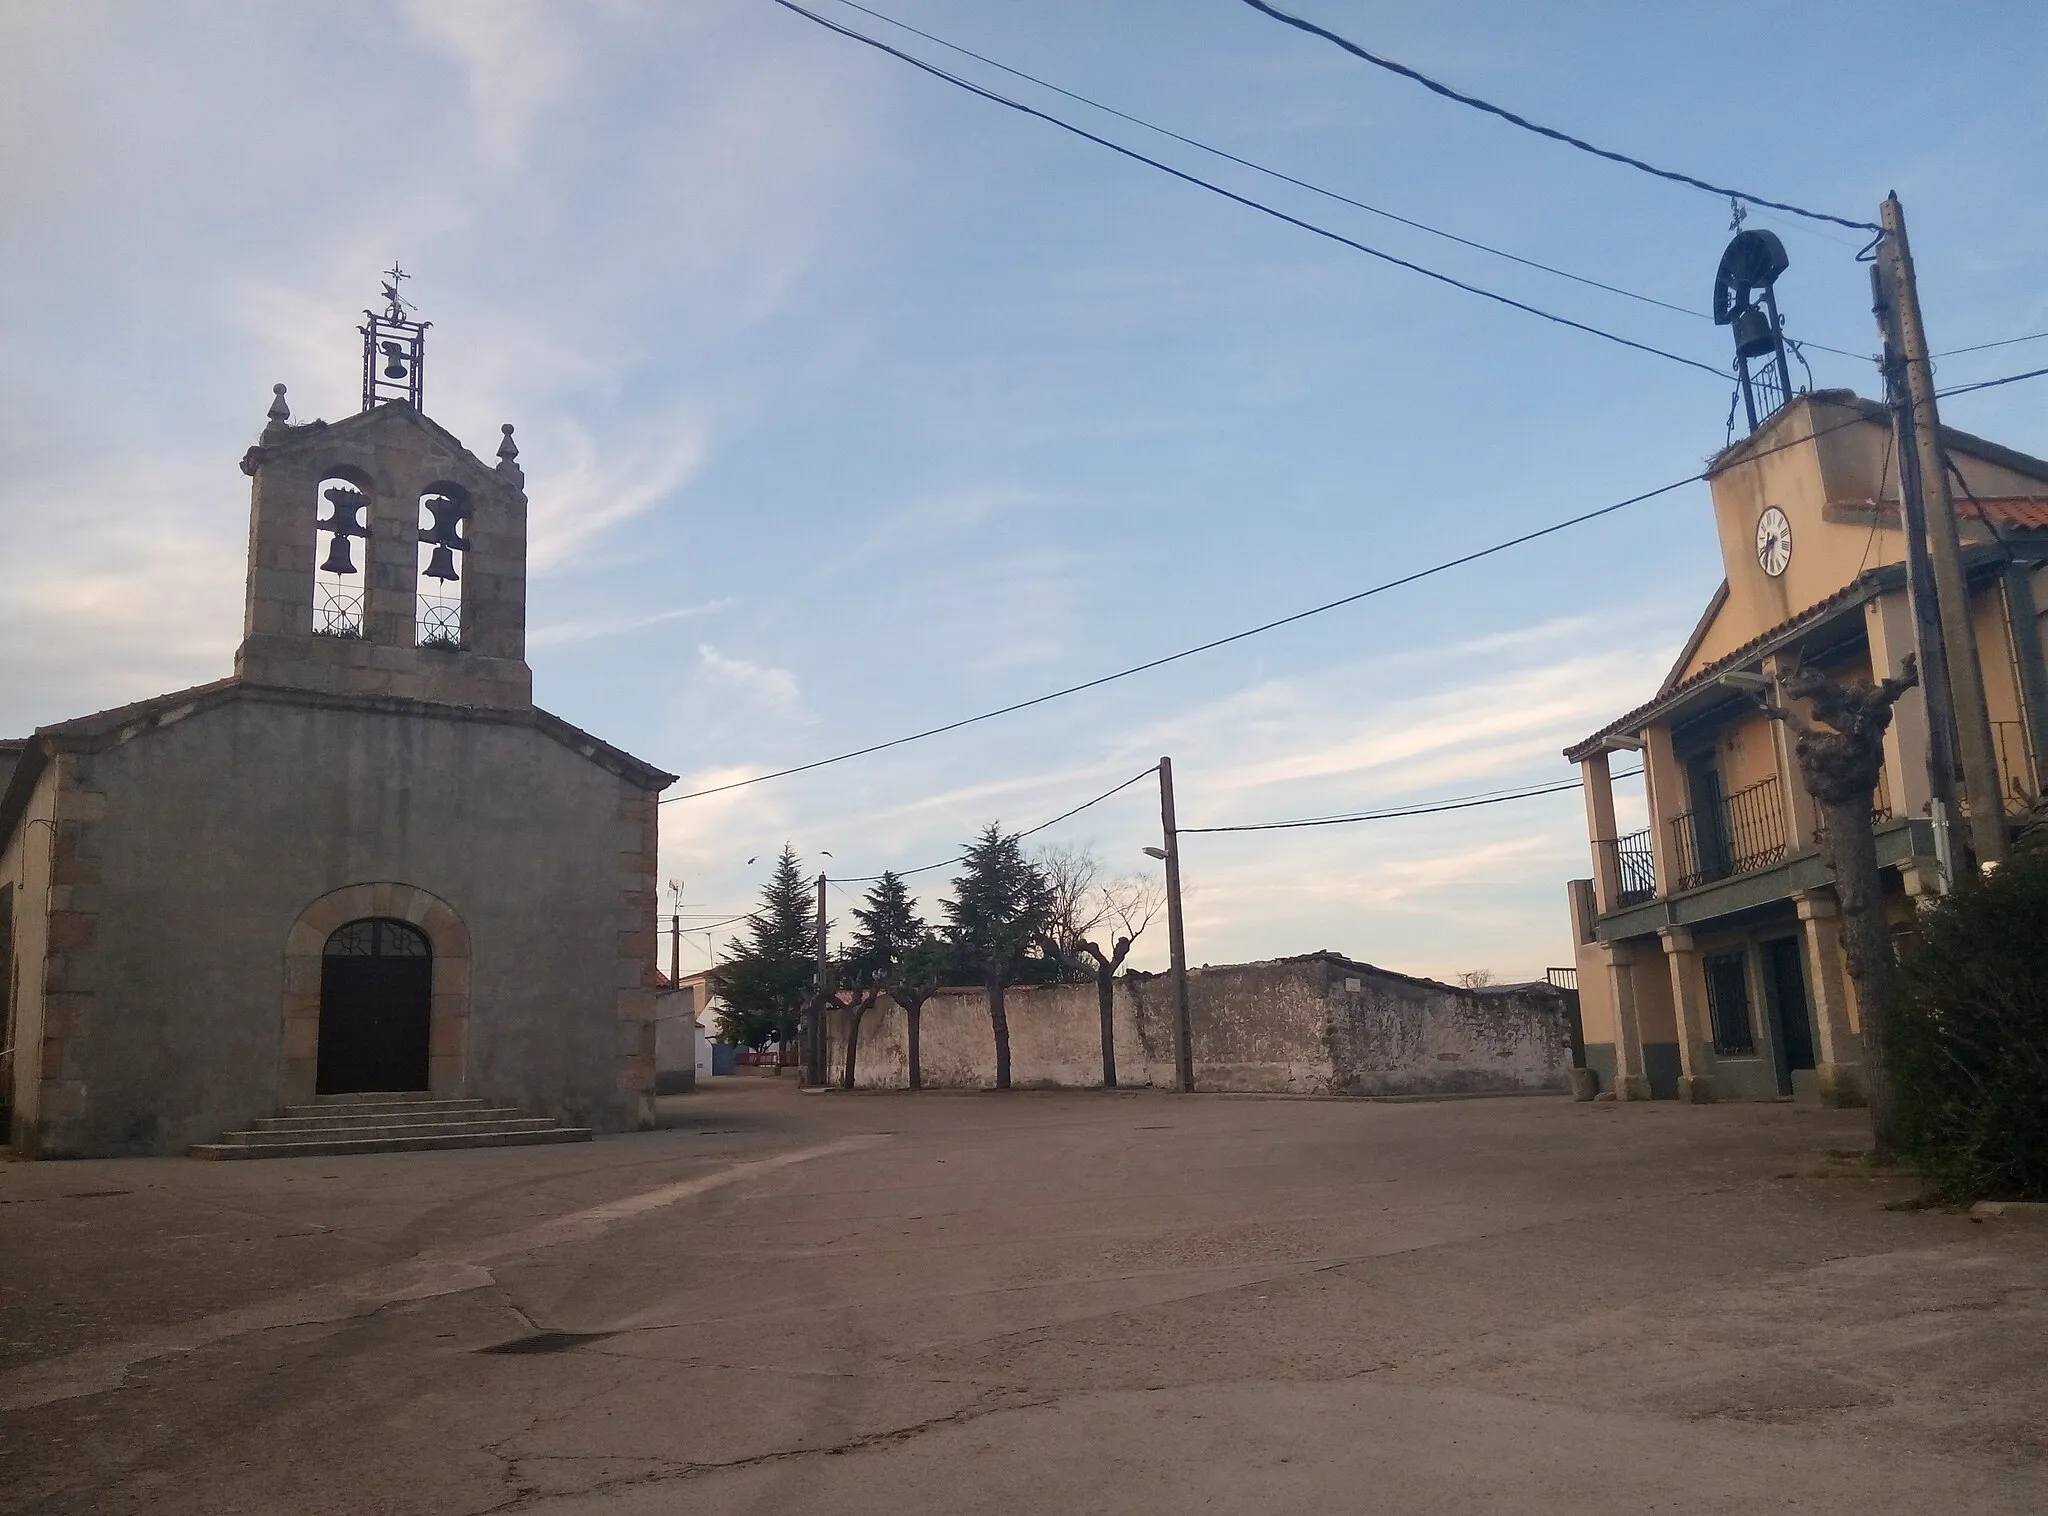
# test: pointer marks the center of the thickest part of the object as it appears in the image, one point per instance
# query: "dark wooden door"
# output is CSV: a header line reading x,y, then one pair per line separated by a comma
x,y
376,1008
1709,830
1785,975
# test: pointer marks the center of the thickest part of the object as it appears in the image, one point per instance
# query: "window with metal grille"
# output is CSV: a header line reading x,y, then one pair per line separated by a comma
x,y
377,937
1728,1003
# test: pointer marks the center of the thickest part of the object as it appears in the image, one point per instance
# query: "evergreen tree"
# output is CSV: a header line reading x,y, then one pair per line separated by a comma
x,y
1000,907
892,951
765,978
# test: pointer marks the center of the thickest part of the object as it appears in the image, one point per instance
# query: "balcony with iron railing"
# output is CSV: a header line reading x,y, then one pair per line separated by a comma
x,y
1633,867
1741,833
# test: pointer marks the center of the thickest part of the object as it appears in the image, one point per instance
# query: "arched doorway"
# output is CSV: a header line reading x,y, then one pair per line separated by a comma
x,y
376,1007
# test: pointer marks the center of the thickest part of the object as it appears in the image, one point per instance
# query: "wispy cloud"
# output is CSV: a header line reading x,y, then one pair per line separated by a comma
x,y
517,55
591,628
114,605
772,690
575,504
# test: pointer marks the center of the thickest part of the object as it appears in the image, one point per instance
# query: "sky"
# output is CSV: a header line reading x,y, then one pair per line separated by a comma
x,y
851,404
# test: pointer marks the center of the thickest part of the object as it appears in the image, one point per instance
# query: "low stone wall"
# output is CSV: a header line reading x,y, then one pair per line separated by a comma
x,y
1319,1024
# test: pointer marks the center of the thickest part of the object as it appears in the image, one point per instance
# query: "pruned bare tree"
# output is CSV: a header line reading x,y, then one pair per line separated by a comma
x,y
1075,907
917,980
1838,763
1127,907
1476,979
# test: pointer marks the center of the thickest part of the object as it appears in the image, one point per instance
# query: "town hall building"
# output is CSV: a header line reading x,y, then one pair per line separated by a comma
x,y
364,873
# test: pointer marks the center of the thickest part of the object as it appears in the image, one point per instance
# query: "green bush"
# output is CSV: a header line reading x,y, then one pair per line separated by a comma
x,y
1967,1047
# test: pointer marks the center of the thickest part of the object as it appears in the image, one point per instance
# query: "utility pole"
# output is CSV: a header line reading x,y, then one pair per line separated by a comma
x,y
1929,648
675,925
1972,715
1176,940
814,1043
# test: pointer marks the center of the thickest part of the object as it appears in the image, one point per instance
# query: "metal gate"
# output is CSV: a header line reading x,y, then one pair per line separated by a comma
x,y
376,1008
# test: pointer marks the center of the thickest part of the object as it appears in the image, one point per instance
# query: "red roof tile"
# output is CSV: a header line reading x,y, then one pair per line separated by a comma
x,y
2026,512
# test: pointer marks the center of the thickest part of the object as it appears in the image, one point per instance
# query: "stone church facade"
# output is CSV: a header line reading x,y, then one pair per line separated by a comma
x,y
365,861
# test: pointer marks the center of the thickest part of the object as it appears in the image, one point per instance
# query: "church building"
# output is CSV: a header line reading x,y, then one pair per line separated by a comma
x,y
363,873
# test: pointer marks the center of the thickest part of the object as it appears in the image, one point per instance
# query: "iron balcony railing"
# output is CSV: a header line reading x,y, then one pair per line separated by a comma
x,y
1744,832
1635,872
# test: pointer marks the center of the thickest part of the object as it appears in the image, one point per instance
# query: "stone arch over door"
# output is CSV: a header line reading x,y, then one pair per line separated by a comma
x,y
445,933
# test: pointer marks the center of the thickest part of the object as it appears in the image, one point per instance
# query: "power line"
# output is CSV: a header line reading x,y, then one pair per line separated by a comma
x,y
1140,668
1317,189
1245,200
1033,832
1461,803
1985,346
1282,176
1316,610
1987,384
1545,131
729,921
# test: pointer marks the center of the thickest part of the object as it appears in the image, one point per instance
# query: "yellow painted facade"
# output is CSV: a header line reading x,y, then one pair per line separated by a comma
x,y
1709,964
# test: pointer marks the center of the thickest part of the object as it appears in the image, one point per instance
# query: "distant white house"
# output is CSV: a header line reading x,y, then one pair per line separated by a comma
x,y
682,1046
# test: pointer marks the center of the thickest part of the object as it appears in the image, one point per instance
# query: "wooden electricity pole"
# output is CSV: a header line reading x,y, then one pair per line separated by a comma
x,y
1176,939
814,1044
1922,603
1972,716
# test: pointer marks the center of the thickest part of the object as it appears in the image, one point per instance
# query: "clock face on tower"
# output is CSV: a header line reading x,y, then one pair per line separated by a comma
x,y
1773,542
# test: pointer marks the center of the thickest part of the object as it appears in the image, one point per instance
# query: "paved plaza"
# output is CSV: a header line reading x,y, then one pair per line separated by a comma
x,y
1066,1303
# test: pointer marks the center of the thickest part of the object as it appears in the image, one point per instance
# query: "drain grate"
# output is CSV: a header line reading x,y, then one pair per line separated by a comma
x,y
546,1342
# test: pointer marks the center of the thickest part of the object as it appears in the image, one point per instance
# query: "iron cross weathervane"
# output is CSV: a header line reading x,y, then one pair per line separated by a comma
x,y
395,308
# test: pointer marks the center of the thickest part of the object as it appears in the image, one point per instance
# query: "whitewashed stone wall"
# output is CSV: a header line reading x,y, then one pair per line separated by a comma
x,y
1319,1024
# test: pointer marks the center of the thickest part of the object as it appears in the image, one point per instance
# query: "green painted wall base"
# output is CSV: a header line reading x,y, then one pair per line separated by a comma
x,y
1661,1064
1600,1064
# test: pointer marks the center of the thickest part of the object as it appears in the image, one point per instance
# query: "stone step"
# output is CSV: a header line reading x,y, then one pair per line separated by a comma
x,y
367,1129
350,1106
410,1142
384,1116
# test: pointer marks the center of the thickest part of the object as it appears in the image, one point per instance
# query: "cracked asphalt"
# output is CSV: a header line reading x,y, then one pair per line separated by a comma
x,y
1060,1302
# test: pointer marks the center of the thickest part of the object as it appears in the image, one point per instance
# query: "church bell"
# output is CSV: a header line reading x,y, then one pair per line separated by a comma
x,y
441,565
338,559
1753,335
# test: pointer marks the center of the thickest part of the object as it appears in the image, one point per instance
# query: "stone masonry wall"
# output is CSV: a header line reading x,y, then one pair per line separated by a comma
x,y
1312,1025
188,856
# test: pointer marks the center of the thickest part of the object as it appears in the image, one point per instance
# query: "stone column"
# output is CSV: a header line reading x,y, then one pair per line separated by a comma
x,y
1838,1061
1665,785
1888,624
1599,789
1689,1003
1802,816
1631,1077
